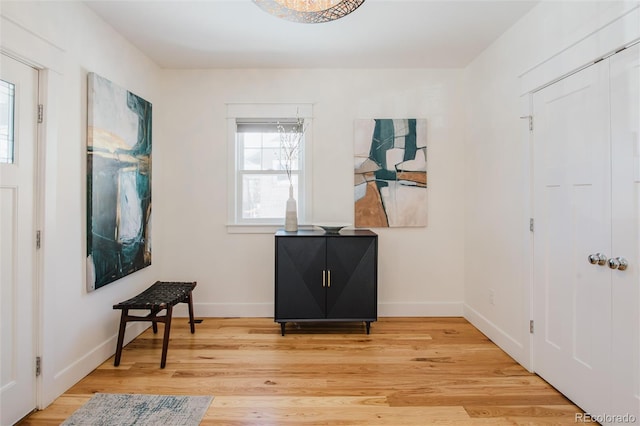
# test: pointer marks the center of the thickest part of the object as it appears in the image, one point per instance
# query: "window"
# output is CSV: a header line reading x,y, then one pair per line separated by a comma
x,y
260,182
7,95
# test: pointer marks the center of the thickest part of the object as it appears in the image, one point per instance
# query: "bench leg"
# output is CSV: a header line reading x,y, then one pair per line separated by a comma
x,y
191,319
154,324
165,341
123,324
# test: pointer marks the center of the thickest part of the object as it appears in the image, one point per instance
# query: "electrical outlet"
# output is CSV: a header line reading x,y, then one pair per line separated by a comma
x,y
492,296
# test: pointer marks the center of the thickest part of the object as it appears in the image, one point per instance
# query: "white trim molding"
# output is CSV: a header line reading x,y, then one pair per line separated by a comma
x,y
507,343
617,27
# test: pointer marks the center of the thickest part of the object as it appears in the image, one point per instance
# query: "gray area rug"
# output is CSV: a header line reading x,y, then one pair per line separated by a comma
x,y
111,409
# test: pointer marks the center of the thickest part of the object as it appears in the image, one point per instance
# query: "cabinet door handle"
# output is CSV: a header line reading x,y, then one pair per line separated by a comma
x,y
329,281
323,278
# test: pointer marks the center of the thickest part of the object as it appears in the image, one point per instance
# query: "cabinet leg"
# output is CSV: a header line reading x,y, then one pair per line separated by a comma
x,y
282,324
368,326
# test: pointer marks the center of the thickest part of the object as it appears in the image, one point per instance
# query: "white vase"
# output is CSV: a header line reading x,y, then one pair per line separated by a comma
x,y
291,217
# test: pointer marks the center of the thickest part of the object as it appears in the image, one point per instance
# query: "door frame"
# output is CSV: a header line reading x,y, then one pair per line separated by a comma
x,y
36,209
527,108
609,31
22,45
38,198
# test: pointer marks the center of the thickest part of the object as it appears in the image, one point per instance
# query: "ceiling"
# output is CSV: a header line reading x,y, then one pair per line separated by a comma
x,y
379,34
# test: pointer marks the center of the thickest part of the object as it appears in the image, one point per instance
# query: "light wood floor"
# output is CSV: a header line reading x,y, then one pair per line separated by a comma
x,y
408,371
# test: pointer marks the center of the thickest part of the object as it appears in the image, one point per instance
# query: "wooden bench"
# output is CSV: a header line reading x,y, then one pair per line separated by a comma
x,y
160,296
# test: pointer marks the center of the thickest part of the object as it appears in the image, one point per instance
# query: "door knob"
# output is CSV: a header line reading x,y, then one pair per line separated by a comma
x,y
613,263
598,258
619,263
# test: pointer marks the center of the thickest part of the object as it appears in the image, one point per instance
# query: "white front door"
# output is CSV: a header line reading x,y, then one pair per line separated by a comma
x,y
625,149
18,117
572,194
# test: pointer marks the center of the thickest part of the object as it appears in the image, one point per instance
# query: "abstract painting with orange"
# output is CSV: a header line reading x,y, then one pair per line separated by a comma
x,y
390,173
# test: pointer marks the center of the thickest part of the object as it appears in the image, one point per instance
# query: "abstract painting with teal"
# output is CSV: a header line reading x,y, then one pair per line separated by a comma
x,y
118,182
390,172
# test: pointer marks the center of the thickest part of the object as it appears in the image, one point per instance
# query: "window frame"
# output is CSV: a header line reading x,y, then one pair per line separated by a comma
x,y
267,112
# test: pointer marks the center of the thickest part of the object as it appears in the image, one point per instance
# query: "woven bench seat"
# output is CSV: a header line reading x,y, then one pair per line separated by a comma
x,y
160,296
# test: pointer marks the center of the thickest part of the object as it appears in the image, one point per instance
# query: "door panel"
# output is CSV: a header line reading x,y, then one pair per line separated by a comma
x,y
572,297
625,146
300,293
17,237
351,261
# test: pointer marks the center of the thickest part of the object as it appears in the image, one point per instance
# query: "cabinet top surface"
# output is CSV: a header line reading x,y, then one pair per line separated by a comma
x,y
320,233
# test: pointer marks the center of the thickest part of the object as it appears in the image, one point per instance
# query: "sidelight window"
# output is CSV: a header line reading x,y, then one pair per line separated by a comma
x,y
7,108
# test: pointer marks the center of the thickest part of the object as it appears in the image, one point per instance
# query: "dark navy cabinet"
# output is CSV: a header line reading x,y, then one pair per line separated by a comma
x,y
326,277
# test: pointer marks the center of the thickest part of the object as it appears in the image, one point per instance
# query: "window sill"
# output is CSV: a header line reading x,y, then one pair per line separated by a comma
x,y
235,228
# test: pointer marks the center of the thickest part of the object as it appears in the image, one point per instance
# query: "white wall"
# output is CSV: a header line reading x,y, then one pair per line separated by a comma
x,y
477,235
553,39
420,269
78,328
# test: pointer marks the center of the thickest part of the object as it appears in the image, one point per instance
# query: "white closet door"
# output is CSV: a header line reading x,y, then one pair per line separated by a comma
x,y
572,199
625,140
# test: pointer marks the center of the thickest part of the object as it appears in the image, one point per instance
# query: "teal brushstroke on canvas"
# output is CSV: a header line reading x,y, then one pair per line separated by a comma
x,y
390,174
119,145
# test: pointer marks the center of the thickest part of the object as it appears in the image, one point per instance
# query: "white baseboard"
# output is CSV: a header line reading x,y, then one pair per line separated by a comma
x,y
221,310
76,371
511,346
420,309
260,310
